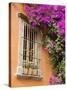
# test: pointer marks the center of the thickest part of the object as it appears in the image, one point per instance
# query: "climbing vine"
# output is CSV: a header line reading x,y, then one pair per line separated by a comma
x,y
50,19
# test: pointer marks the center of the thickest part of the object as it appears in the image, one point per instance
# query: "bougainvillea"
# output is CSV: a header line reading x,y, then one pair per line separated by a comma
x,y
46,14
54,80
51,20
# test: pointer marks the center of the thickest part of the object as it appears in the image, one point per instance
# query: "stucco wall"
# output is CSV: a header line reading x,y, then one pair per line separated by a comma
x,y
45,66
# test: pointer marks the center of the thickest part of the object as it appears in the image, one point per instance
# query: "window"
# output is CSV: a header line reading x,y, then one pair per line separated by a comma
x,y
29,50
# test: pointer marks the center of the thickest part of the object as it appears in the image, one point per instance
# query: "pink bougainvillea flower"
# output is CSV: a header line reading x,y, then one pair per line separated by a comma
x,y
54,80
61,24
46,14
27,7
33,23
61,32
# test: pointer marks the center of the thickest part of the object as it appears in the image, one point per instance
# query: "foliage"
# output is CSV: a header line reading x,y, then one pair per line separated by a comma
x,y
54,80
57,56
51,21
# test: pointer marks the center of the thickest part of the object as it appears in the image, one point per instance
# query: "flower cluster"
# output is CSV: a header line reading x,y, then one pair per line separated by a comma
x,y
56,49
53,15
51,19
54,80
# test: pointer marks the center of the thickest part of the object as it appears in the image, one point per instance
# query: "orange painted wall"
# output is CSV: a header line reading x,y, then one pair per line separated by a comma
x,y
45,65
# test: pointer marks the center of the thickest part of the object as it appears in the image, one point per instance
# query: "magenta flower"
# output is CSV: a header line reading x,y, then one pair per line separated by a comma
x,y
61,32
27,7
54,80
43,14
34,23
61,24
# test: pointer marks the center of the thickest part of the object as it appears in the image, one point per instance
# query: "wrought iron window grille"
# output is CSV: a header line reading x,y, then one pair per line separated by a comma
x,y
28,50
